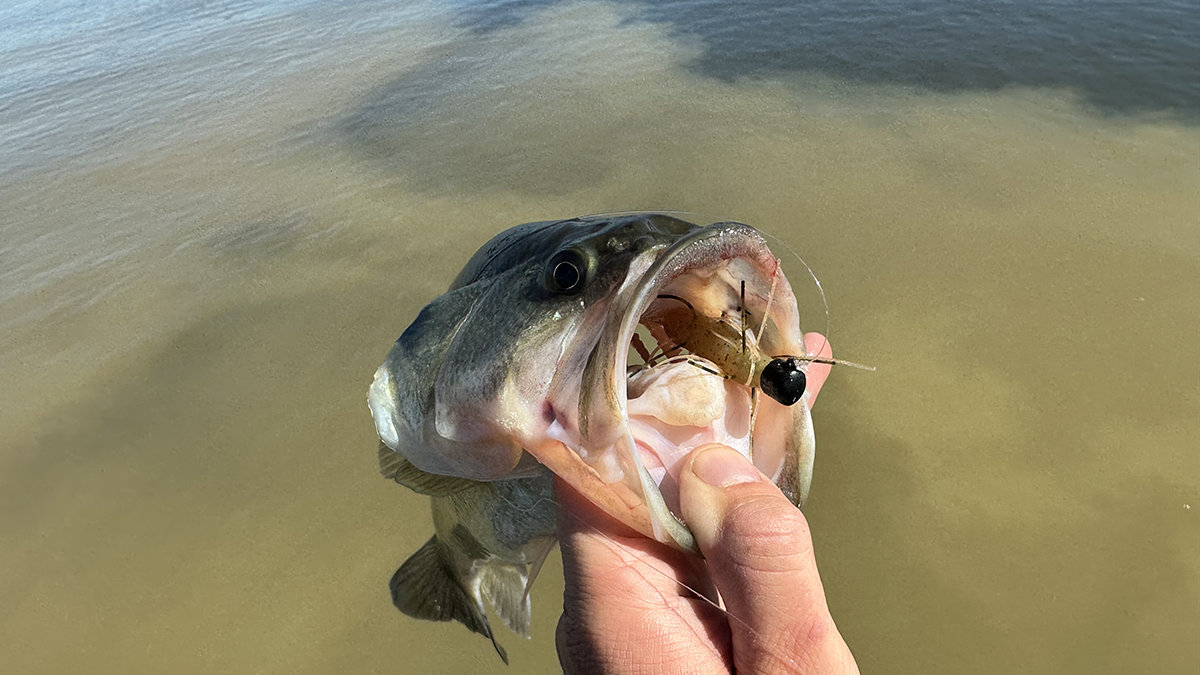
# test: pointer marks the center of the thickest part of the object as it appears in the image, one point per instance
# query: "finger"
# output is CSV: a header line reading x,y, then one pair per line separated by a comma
x,y
625,607
817,345
760,556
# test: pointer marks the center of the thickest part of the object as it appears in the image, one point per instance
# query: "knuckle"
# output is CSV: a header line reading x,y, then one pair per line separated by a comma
x,y
764,531
799,647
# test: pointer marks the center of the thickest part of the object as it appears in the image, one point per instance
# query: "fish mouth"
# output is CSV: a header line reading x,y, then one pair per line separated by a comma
x,y
678,357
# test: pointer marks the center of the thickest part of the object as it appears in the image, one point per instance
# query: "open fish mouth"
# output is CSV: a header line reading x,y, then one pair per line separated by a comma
x,y
605,348
677,366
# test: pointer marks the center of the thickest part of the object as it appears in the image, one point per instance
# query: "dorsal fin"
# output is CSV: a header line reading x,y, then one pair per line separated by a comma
x,y
425,588
395,467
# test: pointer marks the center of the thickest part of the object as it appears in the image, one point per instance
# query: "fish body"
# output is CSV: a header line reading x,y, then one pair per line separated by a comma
x,y
523,369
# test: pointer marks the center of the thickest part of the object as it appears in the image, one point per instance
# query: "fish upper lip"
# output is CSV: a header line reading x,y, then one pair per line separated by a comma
x,y
700,249
730,237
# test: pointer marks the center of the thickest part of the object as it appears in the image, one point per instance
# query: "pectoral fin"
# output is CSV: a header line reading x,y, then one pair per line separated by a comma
x,y
395,467
504,587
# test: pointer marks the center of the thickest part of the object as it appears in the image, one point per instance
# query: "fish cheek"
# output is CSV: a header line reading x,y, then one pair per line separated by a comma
x,y
496,375
401,398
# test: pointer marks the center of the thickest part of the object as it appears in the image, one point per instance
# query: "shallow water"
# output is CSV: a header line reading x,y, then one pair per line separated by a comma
x,y
218,216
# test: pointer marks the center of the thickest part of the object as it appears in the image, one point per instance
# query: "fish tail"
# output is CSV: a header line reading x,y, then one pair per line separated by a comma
x,y
426,587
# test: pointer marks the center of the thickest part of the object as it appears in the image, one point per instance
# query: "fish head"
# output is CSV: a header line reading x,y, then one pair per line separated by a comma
x,y
526,361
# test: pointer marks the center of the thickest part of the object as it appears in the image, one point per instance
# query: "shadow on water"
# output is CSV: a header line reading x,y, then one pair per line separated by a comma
x,y
540,108
1119,57
405,129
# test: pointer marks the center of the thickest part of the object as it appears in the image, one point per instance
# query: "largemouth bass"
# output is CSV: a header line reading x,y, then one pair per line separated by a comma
x,y
602,349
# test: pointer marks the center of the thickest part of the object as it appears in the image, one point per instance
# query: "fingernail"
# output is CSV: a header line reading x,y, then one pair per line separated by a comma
x,y
720,466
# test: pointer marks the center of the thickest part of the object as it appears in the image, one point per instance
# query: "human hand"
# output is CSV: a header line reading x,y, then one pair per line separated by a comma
x,y
627,607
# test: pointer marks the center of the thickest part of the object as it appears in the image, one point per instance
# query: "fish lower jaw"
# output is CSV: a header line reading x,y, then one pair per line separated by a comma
x,y
664,436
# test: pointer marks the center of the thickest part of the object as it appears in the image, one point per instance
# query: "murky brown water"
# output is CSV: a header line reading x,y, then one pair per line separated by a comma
x,y
193,305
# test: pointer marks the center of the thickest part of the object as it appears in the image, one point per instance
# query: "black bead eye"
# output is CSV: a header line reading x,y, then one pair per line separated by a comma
x,y
567,272
783,380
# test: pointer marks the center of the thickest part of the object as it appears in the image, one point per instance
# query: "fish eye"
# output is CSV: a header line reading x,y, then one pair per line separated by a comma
x,y
783,380
566,275
567,272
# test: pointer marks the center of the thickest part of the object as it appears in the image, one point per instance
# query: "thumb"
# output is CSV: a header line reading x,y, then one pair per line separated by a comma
x,y
760,558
